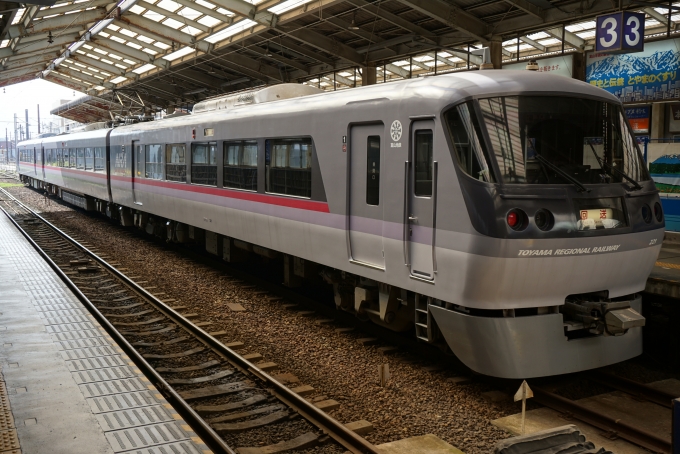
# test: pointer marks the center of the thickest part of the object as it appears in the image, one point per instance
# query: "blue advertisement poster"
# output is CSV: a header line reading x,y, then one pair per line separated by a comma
x,y
653,74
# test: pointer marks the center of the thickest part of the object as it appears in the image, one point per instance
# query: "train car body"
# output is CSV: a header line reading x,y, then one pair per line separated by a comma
x,y
454,205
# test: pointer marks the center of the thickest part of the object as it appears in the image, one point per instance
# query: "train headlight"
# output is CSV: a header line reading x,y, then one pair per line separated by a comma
x,y
516,219
658,212
544,219
646,213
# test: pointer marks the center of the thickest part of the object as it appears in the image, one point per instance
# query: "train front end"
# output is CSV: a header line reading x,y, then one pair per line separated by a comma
x,y
567,226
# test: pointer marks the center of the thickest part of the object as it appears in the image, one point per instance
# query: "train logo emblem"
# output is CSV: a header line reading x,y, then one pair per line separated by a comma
x,y
395,130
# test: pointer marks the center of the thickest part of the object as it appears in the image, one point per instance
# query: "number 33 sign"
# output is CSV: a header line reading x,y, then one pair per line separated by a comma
x,y
620,32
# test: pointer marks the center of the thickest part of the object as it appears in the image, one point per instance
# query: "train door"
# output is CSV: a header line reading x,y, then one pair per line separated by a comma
x,y
365,195
421,200
42,163
35,161
137,155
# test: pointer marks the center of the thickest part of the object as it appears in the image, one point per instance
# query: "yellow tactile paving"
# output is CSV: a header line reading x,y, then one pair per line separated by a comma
x,y
8,440
6,420
668,265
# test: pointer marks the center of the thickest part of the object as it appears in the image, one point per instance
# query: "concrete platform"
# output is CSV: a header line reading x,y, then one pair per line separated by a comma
x,y
646,415
424,444
68,387
664,279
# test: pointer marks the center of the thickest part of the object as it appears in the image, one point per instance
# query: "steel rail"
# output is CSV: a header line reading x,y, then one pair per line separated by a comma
x,y
620,428
200,426
632,387
329,425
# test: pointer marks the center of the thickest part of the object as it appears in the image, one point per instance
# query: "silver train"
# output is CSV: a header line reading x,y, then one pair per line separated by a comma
x,y
507,215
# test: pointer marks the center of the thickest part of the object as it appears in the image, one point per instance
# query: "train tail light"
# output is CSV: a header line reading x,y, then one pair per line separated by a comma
x,y
646,213
516,219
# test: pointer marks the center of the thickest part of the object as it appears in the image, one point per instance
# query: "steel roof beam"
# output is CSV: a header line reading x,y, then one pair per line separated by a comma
x,y
248,10
278,58
72,72
16,80
46,35
534,44
58,43
207,11
569,38
393,18
57,23
528,8
254,66
292,46
85,60
130,39
171,15
29,69
398,70
57,78
15,64
54,53
340,79
324,43
444,60
657,15
147,27
200,77
451,15
134,54
69,8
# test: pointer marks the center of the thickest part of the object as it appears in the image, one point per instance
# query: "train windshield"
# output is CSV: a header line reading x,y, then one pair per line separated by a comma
x,y
553,140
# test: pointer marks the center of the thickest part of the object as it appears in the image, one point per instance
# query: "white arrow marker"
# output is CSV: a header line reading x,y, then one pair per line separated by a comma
x,y
524,393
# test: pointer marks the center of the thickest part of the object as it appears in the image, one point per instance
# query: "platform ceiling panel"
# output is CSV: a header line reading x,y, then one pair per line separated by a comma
x,y
156,54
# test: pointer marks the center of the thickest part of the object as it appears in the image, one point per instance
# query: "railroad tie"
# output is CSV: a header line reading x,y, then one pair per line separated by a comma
x,y
145,322
176,370
253,423
175,355
245,414
195,380
215,391
232,405
304,441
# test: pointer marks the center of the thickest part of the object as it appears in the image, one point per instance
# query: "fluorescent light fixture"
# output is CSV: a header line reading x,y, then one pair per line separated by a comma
x,y
101,25
179,53
59,61
143,69
232,30
287,6
46,73
75,46
126,5
118,80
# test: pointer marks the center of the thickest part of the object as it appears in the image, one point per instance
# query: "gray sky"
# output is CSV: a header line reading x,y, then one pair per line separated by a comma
x,y
27,95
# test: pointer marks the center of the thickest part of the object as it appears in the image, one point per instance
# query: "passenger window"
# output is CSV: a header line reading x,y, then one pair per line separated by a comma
x,y
175,163
240,165
154,162
89,159
289,166
72,157
80,163
99,159
464,129
423,163
204,163
373,171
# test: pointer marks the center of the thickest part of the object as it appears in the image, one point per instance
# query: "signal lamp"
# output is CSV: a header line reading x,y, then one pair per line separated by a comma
x,y
544,219
646,213
516,219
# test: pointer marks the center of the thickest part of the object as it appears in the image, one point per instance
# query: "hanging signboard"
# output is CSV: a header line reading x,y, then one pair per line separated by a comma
x,y
638,117
620,32
646,76
561,65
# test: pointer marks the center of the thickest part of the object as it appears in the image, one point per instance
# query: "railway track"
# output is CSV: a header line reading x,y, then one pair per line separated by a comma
x,y
230,401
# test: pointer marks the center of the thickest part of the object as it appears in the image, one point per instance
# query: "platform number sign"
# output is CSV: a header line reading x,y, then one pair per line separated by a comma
x,y
620,32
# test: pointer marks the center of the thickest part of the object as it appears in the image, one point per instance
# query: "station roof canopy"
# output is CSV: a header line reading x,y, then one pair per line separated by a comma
x,y
158,54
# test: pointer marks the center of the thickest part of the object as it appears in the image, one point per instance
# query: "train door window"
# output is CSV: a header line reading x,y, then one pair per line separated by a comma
x,y
89,159
423,163
289,166
154,161
470,153
373,171
204,163
240,165
72,157
139,161
99,159
175,163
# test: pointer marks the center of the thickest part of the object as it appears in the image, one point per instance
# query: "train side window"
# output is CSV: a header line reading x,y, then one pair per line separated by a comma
x,y
175,162
423,163
99,159
465,134
204,163
240,165
80,162
72,157
154,162
89,159
289,166
373,171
